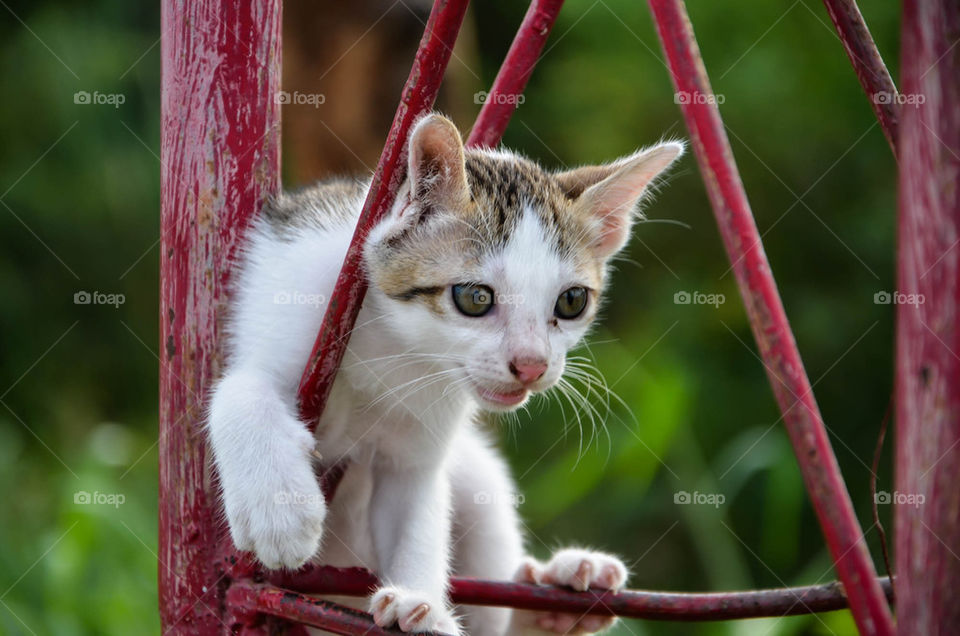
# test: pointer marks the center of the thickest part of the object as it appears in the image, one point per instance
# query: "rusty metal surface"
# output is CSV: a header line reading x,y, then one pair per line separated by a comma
x,y
927,514
266,599
219,160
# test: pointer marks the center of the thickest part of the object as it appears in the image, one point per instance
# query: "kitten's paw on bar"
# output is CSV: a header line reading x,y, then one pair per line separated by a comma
x,y
575,568
411,611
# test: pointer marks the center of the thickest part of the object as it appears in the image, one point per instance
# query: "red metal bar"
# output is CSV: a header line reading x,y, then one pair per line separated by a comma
x,y
507,89
868,64
792,389
672,606
266,599
926,519
418,96
219,141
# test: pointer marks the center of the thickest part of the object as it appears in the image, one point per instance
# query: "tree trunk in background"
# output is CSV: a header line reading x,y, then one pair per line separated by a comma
x,y
927,519
356,56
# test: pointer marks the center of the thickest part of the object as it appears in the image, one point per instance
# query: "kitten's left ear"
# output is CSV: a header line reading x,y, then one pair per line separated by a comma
x,y
436,167
610,193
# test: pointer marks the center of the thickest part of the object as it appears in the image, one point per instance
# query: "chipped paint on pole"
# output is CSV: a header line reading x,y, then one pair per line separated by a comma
x,y
219,147
928,333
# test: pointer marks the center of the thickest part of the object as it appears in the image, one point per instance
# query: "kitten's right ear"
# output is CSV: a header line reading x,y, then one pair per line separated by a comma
x,y
610,193
436,167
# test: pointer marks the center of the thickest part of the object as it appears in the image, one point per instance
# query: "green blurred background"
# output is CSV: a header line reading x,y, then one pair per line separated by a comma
x,y
79,212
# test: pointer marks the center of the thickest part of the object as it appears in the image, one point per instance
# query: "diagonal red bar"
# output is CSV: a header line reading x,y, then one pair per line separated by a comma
x,y
331,342
514,73
792,389
868,65
330,617
418,96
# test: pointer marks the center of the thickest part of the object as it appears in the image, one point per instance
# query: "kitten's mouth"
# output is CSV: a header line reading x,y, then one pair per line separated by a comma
x,y
503,399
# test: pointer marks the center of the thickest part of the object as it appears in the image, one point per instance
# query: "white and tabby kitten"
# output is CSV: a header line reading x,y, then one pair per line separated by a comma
x,y
485,273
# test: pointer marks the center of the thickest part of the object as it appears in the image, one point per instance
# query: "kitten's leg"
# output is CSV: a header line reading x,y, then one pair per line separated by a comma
x,y
576,568
263,455
410,518
488,543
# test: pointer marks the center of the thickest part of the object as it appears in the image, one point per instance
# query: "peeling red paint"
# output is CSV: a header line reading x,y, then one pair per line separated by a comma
x,y
215,87
322,614
927,534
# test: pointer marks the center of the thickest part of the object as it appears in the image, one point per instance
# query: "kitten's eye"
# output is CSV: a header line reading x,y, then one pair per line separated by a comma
x,y
571,303
473,300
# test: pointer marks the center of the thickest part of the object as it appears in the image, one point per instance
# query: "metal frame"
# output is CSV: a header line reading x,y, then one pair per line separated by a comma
x,y
220,145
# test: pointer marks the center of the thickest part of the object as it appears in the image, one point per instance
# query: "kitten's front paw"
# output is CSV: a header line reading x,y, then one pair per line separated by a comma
x,y
411,611
576,568
278,513
287,533
583,569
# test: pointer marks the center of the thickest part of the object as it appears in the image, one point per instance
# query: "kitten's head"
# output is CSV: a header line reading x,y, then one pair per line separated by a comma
x,y
495,266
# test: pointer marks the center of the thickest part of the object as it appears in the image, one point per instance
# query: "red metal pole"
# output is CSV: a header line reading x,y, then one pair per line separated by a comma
x,y
927,514
507,89
867,63
630,603
792,389
220,158
418,96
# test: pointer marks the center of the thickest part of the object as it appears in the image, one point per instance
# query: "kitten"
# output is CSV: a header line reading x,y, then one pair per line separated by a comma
x,y
484,274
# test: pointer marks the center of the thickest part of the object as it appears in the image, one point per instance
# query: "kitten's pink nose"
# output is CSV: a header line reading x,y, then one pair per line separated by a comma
x,y
528,370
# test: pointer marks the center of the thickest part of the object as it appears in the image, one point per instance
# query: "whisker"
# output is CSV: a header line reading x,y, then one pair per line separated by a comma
x,y
686,226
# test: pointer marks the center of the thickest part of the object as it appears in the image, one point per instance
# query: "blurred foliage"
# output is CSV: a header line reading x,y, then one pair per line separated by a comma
x,y
79,212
